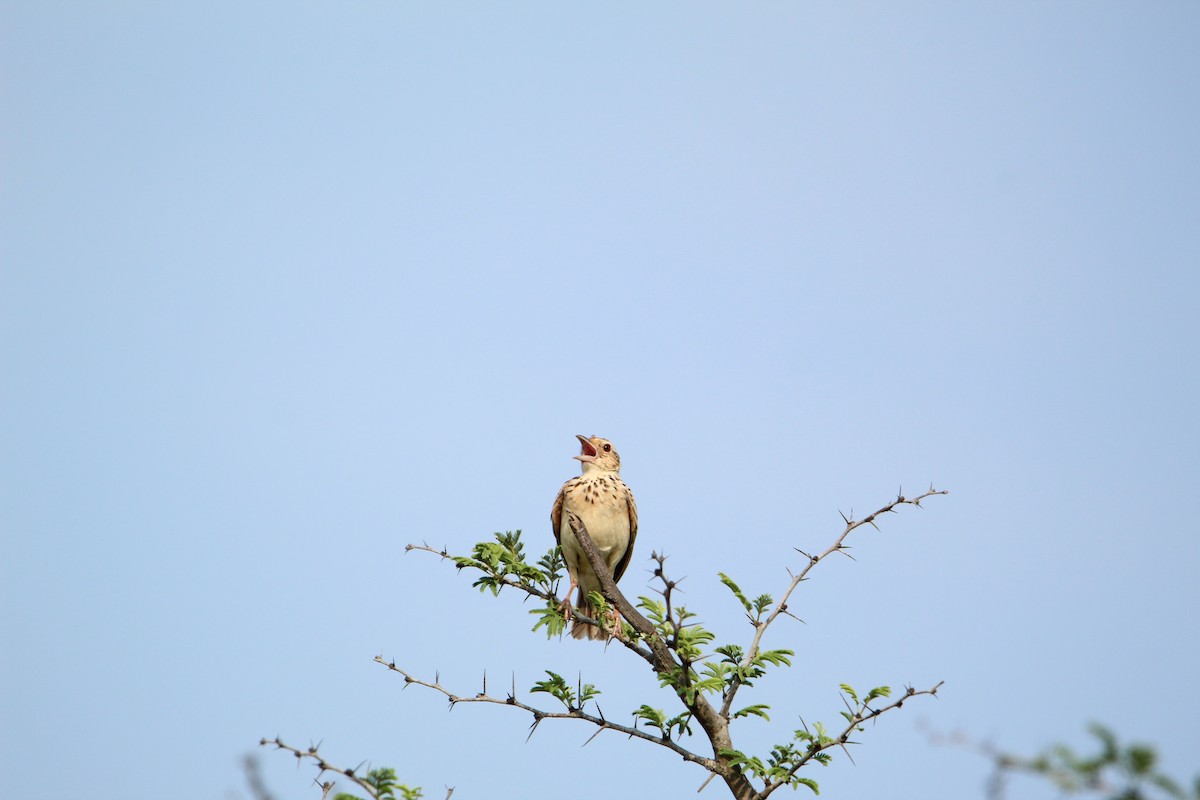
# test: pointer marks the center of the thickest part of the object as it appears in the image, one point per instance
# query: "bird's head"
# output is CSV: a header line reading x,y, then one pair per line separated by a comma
x,y
598,454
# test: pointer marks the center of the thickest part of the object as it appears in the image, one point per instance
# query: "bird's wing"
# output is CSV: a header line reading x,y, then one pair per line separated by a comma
x,y
631,506
556,513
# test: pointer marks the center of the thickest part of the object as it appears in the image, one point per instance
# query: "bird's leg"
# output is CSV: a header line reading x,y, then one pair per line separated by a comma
x,y
565,605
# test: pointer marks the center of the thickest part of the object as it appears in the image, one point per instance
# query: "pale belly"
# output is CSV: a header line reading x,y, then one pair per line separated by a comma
x,y
608,525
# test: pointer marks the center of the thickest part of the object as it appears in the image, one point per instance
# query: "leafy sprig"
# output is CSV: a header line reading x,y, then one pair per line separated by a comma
x,y
558,688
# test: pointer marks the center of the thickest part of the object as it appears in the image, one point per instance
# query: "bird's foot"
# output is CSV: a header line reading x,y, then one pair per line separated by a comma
x,y
614,623
565,605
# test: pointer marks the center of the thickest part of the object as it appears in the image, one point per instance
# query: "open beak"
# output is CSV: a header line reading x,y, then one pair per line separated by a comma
x,y
589,453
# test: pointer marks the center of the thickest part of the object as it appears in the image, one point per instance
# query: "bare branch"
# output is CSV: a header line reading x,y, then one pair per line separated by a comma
x,y
838,546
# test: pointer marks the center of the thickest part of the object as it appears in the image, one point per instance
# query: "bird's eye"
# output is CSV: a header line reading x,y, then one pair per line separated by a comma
x,y
607,447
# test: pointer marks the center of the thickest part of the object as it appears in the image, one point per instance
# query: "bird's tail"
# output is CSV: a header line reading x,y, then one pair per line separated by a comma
x,y
586,630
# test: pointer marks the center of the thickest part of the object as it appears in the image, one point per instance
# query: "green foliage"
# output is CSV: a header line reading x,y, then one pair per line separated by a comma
x,y
557,687
780,766
384,782
1114,772
502,563
756,710
756,607
552,617
783,763
656,718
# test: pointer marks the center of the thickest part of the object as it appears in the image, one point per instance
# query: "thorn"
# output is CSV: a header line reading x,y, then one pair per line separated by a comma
x,y
844,516
593,736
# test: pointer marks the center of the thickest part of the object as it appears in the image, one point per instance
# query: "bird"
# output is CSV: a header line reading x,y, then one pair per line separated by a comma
x,y
606,507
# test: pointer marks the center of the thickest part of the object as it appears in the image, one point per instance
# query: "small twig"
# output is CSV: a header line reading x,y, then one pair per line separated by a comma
x,y
859,716
837,546
323,766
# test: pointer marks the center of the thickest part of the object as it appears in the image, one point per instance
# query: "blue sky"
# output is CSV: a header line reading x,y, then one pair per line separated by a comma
x,y
287,286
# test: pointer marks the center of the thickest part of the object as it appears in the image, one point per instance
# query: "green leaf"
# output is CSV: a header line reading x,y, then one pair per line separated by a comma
x,y
810,783
732,653
1140,759
733,587
552,617
878,691
655,718
655,610
758,710
735,757
587,691
775,658
558,688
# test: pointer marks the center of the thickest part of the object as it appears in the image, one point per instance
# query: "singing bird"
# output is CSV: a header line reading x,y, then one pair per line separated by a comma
x,y
605,505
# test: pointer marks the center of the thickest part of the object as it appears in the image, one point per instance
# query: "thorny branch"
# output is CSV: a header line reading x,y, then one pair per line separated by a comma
x,y
860,715
837,547
538,714
323,766
667,660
